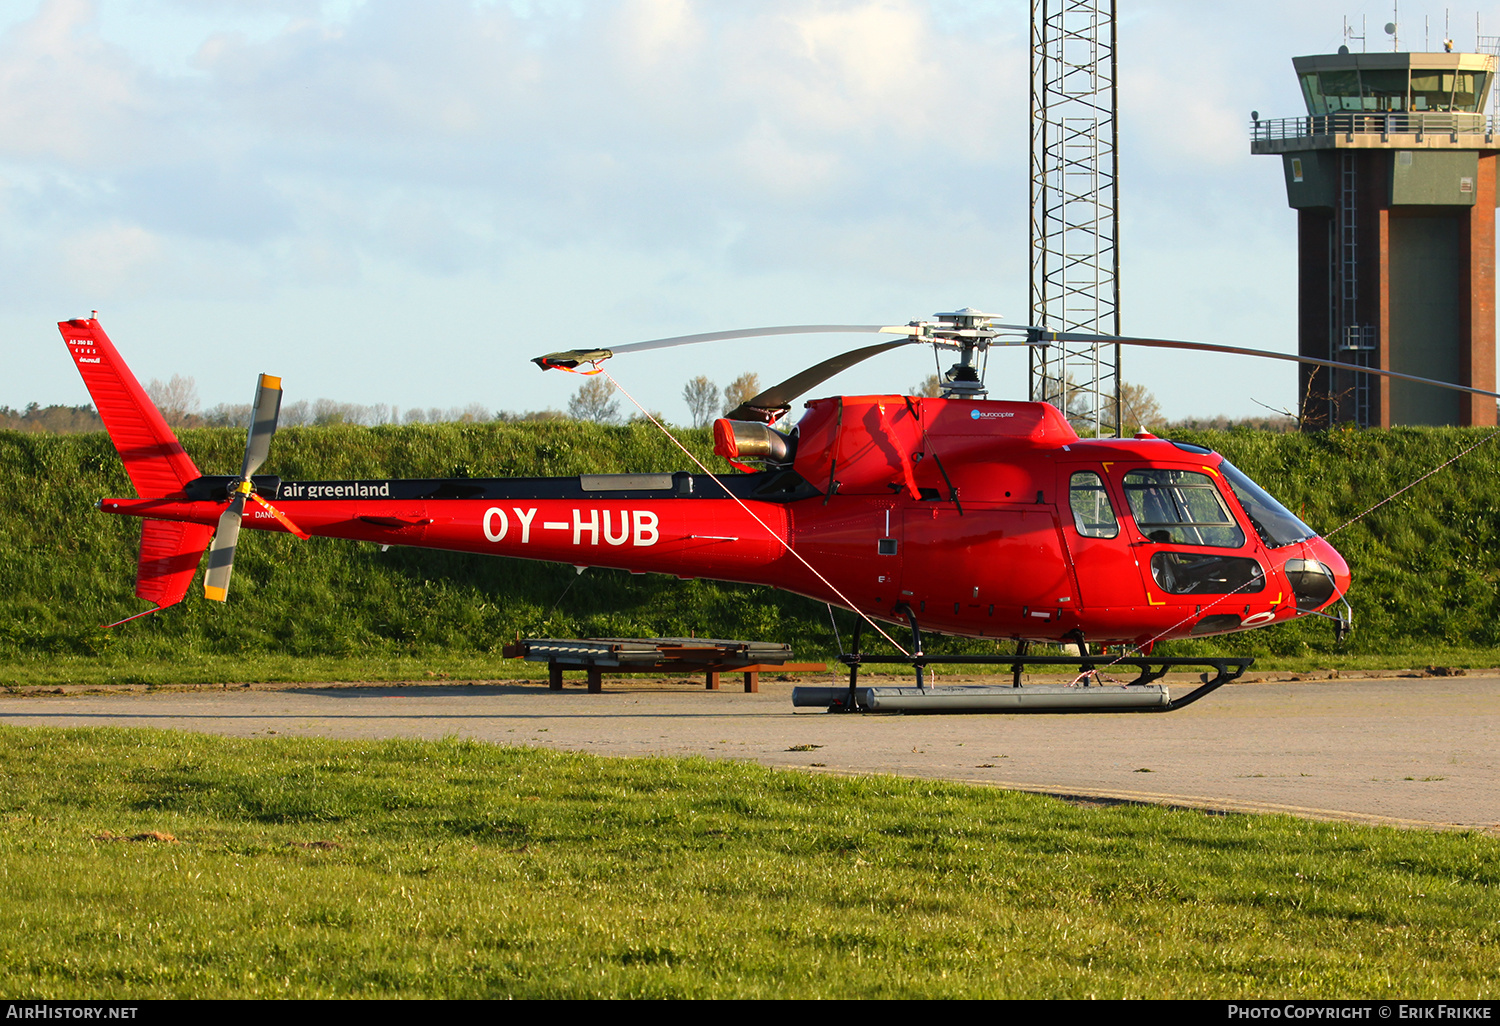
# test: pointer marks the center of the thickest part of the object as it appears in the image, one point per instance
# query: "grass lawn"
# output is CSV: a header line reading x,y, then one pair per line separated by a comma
x,y
314,868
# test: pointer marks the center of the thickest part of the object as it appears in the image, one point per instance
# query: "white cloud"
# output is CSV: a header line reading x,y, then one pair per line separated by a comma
x,y
114,257
68,97
655,166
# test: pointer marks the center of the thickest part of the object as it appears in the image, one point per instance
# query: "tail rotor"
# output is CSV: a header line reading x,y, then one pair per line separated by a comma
x,y
257,447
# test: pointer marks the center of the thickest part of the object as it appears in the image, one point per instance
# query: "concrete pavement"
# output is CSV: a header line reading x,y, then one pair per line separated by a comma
x,y
1416,752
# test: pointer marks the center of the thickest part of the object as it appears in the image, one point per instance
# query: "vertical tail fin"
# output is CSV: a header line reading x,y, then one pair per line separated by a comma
x,y
153,457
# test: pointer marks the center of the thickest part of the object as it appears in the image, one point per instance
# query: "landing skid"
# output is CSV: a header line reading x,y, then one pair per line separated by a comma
x,y
1139,695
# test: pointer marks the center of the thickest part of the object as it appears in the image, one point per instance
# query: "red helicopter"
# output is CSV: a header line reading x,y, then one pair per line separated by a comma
x,y
959,514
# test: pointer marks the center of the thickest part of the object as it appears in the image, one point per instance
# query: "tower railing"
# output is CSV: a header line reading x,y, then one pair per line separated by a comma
x,y
1369,123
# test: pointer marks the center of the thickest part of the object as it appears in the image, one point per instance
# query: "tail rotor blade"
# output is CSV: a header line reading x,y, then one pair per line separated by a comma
x,y
257,447
263,426
221,555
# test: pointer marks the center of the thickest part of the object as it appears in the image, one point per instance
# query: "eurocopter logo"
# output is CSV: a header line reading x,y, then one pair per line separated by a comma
x,y
988,414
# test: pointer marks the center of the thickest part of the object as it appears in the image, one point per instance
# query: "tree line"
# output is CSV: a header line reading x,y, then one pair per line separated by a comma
x,y
595,401
177,399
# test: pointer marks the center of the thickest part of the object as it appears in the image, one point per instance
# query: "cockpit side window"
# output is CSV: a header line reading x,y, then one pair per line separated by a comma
x,y
1092,513
1197,573
1181,507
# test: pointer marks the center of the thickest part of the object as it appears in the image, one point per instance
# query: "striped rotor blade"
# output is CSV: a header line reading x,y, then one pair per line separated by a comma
x,y
267,409
281,517
1045,337
221,555
571,358
785,329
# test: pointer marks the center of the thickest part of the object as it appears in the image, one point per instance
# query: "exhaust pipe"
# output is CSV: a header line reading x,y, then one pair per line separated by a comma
x,y
744,439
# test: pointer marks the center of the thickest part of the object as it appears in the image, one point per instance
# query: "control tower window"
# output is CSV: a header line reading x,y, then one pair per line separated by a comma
x,y
1394,91
1461,91
1313,94
1384,91
1341,91
1468,89
1431,90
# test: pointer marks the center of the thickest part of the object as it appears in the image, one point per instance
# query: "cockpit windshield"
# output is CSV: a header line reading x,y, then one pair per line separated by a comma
x,y
1271,520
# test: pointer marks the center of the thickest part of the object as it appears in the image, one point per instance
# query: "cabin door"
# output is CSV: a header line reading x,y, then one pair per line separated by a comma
x,y
1101,549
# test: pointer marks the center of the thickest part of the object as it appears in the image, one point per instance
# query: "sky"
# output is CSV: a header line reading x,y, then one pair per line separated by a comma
x,y
394,202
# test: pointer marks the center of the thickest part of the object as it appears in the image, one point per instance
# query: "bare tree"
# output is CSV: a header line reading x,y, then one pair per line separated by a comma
x,y
702,398
746,386
930,388
1138,407
230,415
176,399
593,402
474,413
326,411
296,414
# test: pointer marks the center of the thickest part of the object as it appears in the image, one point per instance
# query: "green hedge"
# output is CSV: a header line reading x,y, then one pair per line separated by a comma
x,y
1424,565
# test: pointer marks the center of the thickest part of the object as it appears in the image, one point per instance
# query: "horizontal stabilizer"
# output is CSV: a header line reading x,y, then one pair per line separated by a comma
x,y
170,553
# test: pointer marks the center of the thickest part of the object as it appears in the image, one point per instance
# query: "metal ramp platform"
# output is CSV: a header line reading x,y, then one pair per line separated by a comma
x,y
1088,694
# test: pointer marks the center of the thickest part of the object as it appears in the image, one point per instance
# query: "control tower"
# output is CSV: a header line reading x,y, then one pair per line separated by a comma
x,y
1392,175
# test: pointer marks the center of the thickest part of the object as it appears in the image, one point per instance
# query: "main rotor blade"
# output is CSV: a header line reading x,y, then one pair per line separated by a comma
x,y
1045,337
573,357
263,425
785,329
221,555
777,399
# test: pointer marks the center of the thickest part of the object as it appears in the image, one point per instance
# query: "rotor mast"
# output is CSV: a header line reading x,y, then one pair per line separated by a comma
x,y
969,331
1075,255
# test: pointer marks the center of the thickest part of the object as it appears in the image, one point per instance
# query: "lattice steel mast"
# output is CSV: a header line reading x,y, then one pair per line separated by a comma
x,y
1075,253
